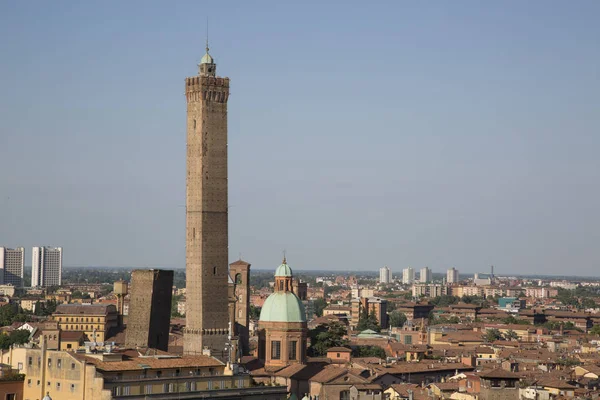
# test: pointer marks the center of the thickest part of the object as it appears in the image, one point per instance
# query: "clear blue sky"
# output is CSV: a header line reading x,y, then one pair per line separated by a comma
x,y
443,133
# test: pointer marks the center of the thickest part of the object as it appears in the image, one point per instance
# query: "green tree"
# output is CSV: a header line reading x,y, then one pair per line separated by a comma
x,y
368,321
511,335
587,302
19,336
595,330
397,319
511,320
444,301
174,300
319,305
369,351
326,336
492,335
254,312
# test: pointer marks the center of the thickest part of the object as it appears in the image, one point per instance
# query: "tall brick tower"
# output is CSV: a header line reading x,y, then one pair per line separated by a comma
x,y
240,276
206,210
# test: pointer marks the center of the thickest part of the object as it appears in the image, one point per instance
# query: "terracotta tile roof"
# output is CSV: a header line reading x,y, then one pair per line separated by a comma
x,y
555,384
301,372
140,363
89,309
418,392
329,373
72,335
499,373
446,386
367,386
405,368
339,350
366,360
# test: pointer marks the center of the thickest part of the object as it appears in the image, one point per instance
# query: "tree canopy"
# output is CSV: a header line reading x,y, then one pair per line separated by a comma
x,y
326,336
397,319
368,321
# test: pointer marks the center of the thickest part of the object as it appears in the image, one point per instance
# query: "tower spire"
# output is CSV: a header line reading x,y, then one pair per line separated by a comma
x,y
206,35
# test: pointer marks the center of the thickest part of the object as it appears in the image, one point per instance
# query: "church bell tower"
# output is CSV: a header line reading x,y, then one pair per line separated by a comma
x,y
206,211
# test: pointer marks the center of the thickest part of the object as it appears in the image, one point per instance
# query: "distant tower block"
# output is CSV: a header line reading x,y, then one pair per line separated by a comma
x,y
149,309
120,289
206,212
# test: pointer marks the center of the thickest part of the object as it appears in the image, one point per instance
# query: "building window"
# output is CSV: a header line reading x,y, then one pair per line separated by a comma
x,y
210,385
345,395
72,387
292,350
20,366
30,361
58,363
49,362
148,389
240,382
29,382
72,365
276,350
126,390
58,386
11,396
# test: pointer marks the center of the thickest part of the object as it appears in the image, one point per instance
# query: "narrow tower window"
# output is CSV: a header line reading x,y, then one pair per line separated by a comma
x,y
214,270
194,125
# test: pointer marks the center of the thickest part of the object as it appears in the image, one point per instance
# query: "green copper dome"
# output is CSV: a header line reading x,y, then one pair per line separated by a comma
x,y
282,307
207,59
283,270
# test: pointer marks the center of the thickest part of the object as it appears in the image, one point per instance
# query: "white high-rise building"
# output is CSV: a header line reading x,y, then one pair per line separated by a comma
x,y
385,275
11,266
425,275
452,275
46,266
408,276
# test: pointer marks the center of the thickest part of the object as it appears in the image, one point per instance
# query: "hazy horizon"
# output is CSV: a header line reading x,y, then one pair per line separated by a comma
x,y
402,134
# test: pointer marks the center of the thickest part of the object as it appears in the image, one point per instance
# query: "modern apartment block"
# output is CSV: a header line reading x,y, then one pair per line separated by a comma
x,y
425,275
11,266
46,266
385,275
452,275
408,276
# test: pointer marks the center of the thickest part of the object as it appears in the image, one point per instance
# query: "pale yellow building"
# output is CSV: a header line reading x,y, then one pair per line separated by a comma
x,y
122,374
95,320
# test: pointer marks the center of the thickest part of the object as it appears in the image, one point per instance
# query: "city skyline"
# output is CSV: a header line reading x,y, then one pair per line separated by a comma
x,y
477,141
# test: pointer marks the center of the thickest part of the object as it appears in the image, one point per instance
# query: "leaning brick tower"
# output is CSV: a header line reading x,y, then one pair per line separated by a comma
x,y
206,211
